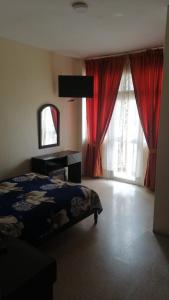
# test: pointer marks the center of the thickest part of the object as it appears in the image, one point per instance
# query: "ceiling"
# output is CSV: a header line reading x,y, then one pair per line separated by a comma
x,y
108,26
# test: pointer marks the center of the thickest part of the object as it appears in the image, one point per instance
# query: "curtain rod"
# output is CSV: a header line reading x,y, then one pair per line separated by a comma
x,y
124,53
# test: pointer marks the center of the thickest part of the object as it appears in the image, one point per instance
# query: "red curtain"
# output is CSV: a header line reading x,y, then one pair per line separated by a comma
x,y
107,74
147,74
54,117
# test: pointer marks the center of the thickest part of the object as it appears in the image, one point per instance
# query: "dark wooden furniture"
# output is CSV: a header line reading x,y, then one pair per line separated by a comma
x,y
46,164
25,273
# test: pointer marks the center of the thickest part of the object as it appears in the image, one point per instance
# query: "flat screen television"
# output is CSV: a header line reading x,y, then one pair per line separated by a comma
x,y
75,86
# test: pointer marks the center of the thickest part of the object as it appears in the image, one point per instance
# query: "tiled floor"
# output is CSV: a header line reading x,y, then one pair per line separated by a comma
x,y
120,258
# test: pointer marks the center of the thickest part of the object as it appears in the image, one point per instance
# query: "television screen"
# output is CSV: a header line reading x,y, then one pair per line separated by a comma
x,y
75,86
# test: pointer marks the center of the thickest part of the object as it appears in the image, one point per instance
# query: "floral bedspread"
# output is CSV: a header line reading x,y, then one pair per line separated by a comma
x,y
33,205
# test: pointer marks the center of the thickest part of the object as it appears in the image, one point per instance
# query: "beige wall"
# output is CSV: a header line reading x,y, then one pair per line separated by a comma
x,y
72,110
27,82
161,212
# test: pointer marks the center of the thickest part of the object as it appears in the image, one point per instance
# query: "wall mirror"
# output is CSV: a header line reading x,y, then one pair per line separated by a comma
x,y
48,126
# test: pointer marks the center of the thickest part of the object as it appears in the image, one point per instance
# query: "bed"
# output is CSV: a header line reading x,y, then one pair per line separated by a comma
x,y
34,206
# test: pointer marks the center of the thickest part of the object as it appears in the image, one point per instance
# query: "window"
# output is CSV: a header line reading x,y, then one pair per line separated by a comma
x,y
124,147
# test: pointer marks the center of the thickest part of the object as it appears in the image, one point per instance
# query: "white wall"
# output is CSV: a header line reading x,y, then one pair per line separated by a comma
x,y
161,212
27,82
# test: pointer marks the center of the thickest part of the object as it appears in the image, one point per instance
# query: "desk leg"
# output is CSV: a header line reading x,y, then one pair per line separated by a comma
x,y
74,172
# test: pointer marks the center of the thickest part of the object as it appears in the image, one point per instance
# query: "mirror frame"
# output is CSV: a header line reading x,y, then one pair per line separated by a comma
x,y
40,129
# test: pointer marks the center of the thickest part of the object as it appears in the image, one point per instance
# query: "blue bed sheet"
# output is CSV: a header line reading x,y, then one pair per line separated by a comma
x,y
33,205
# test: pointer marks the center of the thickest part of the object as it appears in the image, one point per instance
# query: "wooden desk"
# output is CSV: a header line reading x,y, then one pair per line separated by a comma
x,y
46,164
